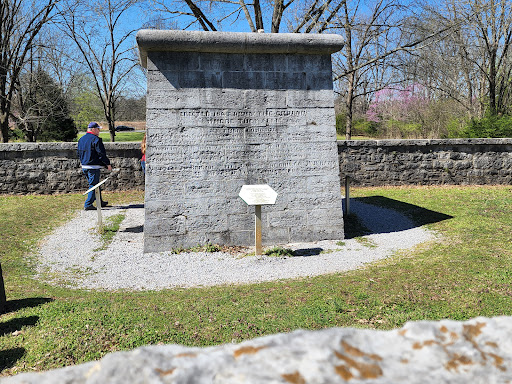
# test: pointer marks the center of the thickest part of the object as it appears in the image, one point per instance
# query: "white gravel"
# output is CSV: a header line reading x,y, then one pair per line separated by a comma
x,y
70,256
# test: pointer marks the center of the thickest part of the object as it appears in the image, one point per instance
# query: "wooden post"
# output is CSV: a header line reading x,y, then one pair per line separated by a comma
x,y
257,229
98,208
347,196
97,193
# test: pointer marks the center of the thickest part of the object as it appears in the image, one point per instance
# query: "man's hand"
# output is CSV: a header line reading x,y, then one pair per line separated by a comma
x,y
109,167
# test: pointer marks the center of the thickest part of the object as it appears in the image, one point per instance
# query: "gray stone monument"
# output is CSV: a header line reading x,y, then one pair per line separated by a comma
x,y
231,109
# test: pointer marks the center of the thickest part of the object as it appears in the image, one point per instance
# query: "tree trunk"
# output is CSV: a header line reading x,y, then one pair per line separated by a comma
x,y
4,128
492,84
112,129
258,17
277,15
351,76
349,101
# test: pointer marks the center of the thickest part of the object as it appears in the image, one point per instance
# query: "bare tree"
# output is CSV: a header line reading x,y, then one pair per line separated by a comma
x,y
369,37
106,47
471,64
42,110
20,23
492,23
212,15
61,59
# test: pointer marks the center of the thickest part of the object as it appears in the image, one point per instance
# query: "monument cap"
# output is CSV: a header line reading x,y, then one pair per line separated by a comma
x,y
151,40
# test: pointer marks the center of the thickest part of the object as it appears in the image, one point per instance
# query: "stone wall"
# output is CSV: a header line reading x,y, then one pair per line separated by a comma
x,y
476,351
426,162
47,168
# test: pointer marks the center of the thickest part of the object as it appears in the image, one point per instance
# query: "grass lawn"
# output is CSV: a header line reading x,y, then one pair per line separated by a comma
x,y
466,272
120,136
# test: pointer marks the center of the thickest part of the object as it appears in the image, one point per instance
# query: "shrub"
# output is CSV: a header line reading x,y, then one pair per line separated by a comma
x,y
454,128
364,127
16,134
490,126
341,121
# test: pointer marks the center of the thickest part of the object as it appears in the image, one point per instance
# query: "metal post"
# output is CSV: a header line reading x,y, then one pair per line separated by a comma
x,y
257,228
98,207
347,196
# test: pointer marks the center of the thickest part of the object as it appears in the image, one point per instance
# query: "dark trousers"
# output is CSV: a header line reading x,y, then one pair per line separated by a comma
x,y
93,178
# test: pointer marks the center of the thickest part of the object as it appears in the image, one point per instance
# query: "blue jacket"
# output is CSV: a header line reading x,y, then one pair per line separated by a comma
x,y
91,150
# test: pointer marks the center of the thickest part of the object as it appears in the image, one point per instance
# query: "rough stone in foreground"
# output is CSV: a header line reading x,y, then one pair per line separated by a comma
x,y
475,351
231,109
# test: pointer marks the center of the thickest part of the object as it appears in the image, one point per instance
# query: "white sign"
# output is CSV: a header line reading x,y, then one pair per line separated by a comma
x,y
259,194
96,186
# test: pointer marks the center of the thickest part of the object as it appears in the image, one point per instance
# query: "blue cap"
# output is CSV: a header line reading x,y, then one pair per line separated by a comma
x,y
93,125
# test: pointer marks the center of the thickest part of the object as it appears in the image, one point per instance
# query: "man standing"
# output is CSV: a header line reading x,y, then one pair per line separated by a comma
x,y
93,157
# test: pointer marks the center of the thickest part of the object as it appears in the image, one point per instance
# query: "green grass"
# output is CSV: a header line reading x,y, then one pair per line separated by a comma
x,y
465,272
109,229
198,248
279,252
120,136
343,137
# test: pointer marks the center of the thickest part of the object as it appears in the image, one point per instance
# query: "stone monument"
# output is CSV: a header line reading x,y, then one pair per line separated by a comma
x,y
231,109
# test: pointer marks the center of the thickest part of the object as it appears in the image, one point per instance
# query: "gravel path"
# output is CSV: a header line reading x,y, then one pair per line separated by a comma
x,y
71,255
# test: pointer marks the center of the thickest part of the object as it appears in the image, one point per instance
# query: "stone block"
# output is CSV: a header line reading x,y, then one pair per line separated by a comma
x,y
285,80
473,351
274,236
173,61
243,80
222,62
232,117
321,98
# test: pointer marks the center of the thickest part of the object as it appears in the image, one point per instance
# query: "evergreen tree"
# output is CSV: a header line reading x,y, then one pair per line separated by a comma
x,y
42,109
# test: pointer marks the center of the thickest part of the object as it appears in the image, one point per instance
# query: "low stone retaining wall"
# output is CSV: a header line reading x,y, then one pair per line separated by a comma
x,y
46,168
476,351
426,162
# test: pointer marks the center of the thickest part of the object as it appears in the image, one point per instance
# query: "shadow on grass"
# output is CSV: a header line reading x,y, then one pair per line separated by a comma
x,y
379,214
9,357
15,305
17,324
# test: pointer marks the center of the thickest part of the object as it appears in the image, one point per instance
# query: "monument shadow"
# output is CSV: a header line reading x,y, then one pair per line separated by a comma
x,y
379,214
236,75
9,357
136,229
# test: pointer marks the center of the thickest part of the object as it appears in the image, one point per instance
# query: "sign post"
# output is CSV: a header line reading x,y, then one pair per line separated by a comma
x,y
98,201
258,195
257,230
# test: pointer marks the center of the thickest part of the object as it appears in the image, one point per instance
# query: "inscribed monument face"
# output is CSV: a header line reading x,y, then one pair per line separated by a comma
x,y
231,109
